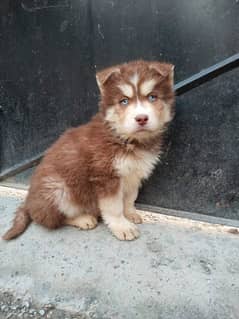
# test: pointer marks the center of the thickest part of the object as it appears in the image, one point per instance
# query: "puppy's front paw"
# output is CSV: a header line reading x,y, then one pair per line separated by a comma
x,y
125,231
134,217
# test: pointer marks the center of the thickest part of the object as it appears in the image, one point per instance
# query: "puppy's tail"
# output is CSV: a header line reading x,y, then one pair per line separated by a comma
x,y
20,224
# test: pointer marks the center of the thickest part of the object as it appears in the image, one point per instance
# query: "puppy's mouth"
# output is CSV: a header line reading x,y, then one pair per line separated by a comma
x,y
145,131
143,128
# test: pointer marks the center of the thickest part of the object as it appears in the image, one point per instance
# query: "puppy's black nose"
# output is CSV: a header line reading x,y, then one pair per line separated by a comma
x,y
141,119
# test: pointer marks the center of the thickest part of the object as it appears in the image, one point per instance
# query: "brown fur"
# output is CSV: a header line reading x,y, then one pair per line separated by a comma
x,y
78,170
20,223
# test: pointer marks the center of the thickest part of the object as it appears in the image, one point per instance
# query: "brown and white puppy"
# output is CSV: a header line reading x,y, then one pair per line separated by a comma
x,y
96,169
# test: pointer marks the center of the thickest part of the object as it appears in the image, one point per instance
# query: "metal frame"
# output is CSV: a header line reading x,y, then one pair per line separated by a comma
x,y
180,88
207,74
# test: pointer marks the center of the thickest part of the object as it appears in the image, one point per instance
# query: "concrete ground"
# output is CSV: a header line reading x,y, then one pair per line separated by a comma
x,y
177,269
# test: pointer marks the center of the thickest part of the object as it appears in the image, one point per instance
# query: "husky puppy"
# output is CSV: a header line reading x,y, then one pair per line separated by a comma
x,y
95,170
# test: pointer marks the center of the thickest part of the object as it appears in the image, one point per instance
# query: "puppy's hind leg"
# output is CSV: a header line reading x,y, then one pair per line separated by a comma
x,y
84,221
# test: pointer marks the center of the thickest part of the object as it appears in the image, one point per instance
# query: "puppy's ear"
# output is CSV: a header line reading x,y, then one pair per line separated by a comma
x,y
166,70
103,76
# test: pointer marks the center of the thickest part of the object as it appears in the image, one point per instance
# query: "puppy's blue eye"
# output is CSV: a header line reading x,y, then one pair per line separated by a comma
x,y
152,98
124,102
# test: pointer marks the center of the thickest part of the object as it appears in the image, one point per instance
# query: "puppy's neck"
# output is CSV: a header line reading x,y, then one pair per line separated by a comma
x,y
152,143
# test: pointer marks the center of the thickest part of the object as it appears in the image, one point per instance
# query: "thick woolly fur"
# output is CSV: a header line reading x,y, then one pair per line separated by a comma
x,y
96,169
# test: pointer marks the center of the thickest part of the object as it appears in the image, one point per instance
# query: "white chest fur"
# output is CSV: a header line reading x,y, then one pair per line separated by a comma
x,y
138,166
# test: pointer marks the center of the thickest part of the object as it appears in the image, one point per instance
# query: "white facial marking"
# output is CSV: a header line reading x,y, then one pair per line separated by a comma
x,y
127,126
147,87
140,109
134,80
146,108
126,89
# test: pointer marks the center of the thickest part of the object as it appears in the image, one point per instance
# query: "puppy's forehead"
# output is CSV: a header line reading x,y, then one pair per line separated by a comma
x,y
137,82
129,85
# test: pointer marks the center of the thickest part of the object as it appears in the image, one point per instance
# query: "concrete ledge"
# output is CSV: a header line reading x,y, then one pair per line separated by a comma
x,y
204,218
177,269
